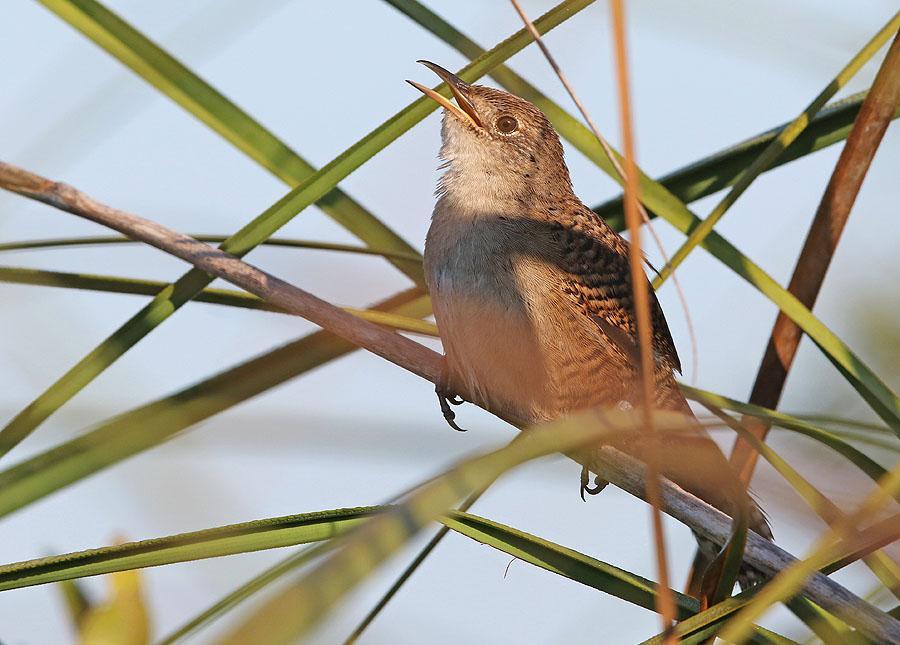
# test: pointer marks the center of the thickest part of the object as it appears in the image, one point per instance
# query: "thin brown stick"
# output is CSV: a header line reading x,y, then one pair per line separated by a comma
x,y
616,467
821,241
633,214
641,290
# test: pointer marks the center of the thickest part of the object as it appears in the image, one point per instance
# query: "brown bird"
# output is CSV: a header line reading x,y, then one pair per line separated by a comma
x,y
532,290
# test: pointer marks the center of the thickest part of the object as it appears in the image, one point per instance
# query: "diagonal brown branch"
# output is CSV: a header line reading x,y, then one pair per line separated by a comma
x,y
821,241
616,467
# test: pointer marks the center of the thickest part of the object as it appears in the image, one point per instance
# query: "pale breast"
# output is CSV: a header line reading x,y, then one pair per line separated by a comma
x,y
485,296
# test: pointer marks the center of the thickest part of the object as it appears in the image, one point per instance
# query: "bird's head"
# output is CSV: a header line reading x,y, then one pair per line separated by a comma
x,y
496,146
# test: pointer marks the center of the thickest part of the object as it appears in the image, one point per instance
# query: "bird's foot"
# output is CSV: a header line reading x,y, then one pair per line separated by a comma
x,y
449,415
599,484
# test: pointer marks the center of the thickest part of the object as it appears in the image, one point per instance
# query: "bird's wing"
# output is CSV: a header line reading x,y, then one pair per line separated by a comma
x,y
594,259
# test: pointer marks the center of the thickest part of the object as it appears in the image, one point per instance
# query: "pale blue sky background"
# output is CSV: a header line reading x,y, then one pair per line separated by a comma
x,y
321,75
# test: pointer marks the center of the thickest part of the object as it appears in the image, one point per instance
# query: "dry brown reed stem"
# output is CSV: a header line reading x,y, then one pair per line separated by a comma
x,y
818,249
633,213
616,467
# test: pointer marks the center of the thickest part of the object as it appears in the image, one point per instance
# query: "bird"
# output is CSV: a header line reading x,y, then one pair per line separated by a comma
x,y
532,294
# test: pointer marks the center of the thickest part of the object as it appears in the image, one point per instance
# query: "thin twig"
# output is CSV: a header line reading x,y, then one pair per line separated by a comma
x,y
824,234
616,467
634,211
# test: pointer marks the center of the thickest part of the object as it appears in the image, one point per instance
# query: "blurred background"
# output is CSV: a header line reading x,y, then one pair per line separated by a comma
x,y
706,74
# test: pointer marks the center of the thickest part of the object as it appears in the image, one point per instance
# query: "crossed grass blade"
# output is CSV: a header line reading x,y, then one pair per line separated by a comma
x,y
187,89
708,623
777,146
721,169
225,297
302,605
149,425
787,583
322,527
307,192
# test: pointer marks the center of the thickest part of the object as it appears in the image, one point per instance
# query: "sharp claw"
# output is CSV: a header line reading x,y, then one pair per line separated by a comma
x,y
598,486
449,415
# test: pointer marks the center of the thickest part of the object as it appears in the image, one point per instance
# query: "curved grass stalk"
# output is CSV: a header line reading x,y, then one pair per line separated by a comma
x,y
311,190
226,297
99,240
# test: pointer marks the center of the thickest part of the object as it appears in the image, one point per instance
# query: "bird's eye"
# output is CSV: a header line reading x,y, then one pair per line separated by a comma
x,y
507,124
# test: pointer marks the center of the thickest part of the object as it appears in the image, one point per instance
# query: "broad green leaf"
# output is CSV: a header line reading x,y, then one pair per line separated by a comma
x,y
151,424
782,420
55,243
226,297
778,145
197,545
309,191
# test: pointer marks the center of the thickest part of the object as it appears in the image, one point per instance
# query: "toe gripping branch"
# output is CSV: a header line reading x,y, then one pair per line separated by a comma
x,y
599,484
449,415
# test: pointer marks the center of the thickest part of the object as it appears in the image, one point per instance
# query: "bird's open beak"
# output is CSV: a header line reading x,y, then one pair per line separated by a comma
x,y
465,111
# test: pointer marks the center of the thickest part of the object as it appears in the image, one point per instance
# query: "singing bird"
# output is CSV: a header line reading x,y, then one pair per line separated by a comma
x,y
532,291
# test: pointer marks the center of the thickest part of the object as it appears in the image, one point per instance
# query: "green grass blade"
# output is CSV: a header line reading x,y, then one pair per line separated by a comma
x,y
566,562
151,424
721,169
195,95
227,297
257,535
251,235
862,461
774,149
33,245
